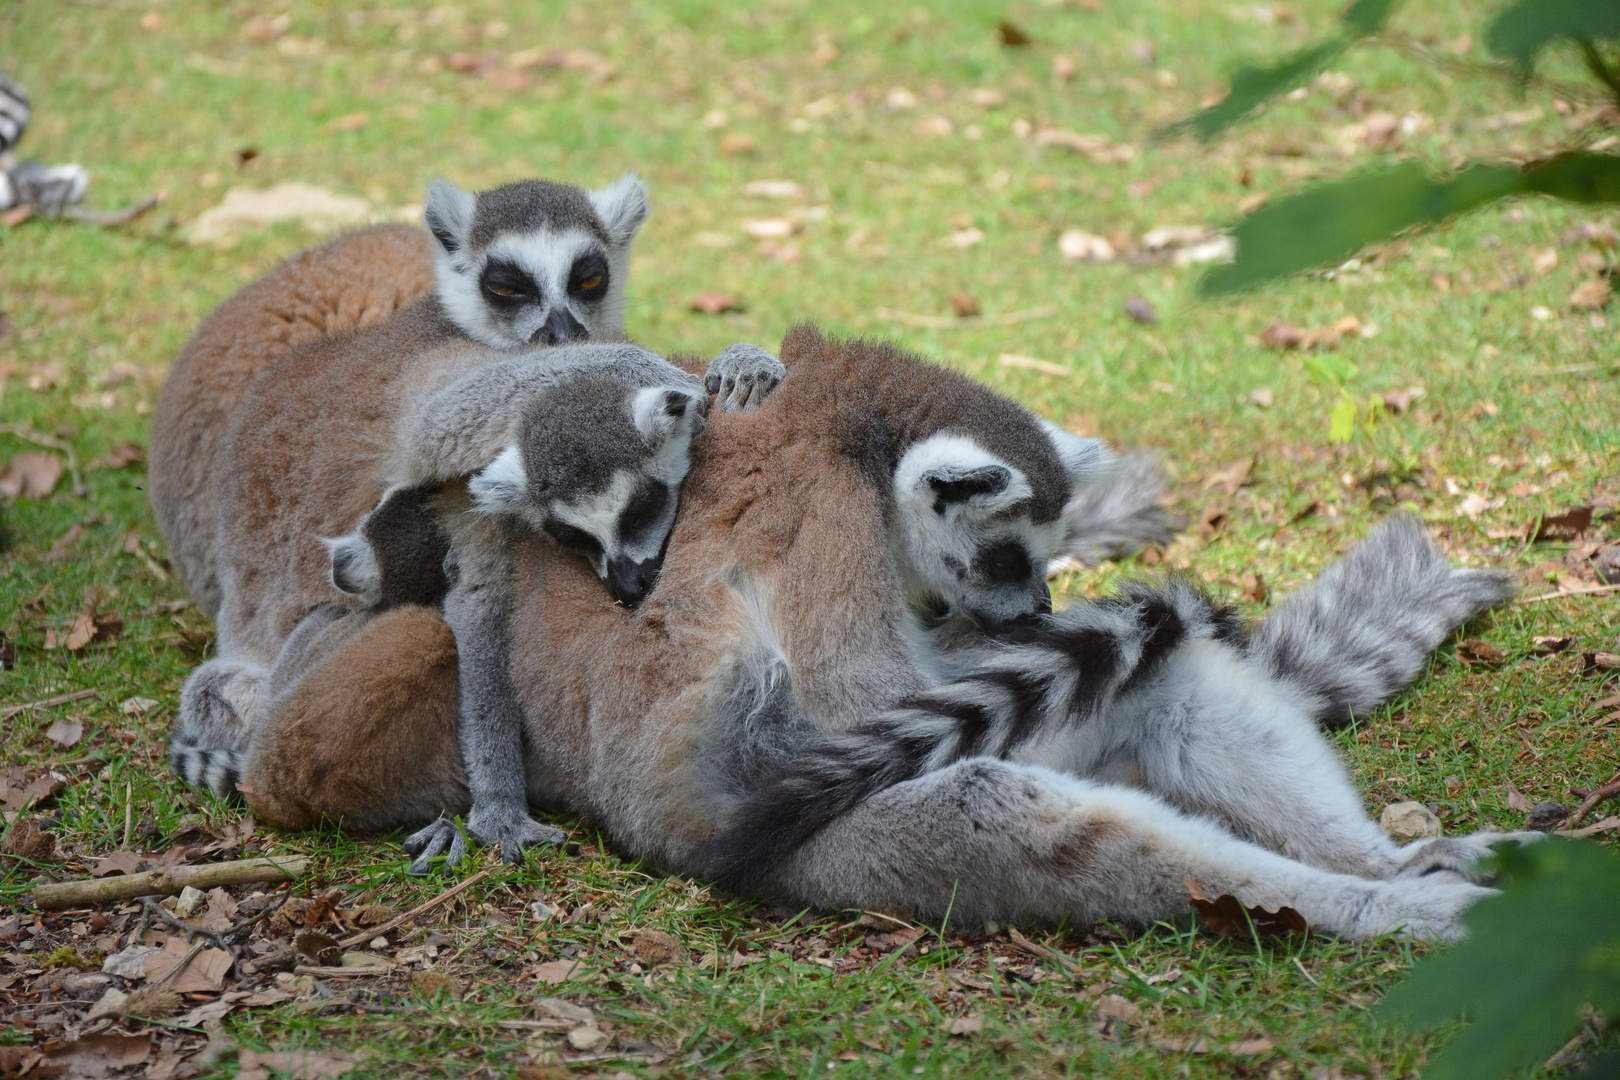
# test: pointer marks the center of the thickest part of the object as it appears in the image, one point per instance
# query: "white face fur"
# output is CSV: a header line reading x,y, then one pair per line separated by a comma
x,y
964,528
535,286
621,528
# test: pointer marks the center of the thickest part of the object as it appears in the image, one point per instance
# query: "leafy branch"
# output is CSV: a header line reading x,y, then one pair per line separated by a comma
x,y
1331,221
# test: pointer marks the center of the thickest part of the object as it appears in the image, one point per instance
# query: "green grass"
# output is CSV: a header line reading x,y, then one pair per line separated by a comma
x,y
168,109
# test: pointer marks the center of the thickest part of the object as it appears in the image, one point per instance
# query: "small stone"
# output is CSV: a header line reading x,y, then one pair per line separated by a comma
x,y
360,959
1141,310
1409,821
190,900
541,911
587,1038
560,1009
378,943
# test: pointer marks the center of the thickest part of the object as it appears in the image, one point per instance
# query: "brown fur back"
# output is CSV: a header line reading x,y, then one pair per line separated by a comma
x,y
367,738
353,281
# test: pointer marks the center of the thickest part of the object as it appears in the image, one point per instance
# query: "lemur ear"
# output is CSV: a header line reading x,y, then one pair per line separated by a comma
x,y
1082,458
662,411
622,206
502,488
448,213
951,484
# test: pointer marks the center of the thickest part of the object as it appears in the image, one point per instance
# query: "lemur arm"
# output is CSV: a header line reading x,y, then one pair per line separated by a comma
x,y
490,717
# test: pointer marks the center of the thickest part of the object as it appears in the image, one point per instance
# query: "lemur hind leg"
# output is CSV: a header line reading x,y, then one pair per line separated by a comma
x,y
987,839
1213,736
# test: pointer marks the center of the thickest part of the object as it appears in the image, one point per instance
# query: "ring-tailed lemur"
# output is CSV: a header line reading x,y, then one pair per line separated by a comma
x,y
537,241
48,188
599,444
780,621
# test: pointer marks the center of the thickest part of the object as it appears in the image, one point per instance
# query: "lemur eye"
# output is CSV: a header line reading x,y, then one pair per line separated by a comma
x,y
502,290
591,283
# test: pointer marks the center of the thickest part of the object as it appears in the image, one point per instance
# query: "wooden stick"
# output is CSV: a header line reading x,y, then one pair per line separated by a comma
x,y
1068,962
45,703
1593,799
391,924
1571,592
168,881
322,972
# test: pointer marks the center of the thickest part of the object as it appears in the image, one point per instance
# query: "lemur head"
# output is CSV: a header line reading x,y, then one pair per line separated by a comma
x,y
975,530
534,262
598,469
397,554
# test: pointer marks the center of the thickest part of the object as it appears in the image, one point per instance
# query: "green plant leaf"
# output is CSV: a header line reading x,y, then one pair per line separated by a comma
x,y
1254,86
1578,176
1329,370
1529,964
1330,222
1527,26
1367,17
1342,420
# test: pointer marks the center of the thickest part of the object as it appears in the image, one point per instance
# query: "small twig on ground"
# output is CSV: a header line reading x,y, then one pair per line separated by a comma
x,y
1067,962
167,916
110,218
45,703
27,434
1571,592
168,881
1594,799
391,924
254,920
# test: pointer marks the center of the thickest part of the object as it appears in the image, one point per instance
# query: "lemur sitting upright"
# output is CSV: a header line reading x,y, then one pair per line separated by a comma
x,y
522,266
520,270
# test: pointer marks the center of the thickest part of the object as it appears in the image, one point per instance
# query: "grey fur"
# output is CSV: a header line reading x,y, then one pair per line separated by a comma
x,y
1118,514
1363,631
1013,792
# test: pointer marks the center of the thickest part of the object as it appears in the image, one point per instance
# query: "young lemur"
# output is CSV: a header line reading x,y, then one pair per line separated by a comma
x,y
529,262
767,715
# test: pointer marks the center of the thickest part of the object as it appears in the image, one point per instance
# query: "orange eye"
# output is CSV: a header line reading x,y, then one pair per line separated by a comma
x,y
591,283
502,290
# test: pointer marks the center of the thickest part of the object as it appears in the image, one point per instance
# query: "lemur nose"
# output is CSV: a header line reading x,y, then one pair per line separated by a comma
x,y
629,581
560,326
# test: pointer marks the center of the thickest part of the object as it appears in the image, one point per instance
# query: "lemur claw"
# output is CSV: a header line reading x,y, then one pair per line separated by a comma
x,y
429,843
512,830
743,375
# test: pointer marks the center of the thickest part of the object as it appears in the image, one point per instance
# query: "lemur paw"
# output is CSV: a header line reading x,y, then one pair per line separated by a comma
x,y
429,843
742,375
513,829
1456,854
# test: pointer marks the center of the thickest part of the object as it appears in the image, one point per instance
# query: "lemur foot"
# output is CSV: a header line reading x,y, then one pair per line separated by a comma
x,y
1459,855
742,375
513,829
220,704
429,843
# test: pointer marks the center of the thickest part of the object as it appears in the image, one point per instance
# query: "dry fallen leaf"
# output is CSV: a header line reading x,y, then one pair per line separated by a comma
x,y
1283,335
1516,800
1011,34
31,476
1569,525
119,456
99,1055
1228,916
299,1064
1231,476
655,947
1592,295
1475,651
17,793
770,228
65,733
964,1025
735,144
1117,1008
319,947
556,971
1140,309
1088,247
431,984
964,305
308,205
1262,396
204,974
1203,1044
26,840
774,189
715,303
1409,821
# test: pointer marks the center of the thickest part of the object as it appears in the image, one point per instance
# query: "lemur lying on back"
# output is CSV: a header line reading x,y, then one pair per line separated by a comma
x,y
766,715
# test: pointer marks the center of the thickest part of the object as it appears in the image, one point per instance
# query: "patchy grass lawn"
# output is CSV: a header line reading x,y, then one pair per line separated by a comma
x,y
915,140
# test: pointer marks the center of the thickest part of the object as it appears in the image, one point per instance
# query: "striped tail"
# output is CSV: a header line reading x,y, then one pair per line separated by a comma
x,y
1052,673
1363,630
211,769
